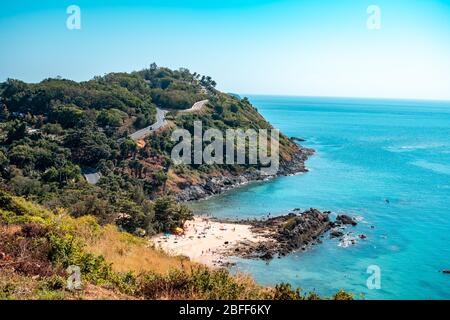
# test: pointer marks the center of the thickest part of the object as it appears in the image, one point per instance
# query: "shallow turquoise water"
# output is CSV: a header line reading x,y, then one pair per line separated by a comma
x,y
367,151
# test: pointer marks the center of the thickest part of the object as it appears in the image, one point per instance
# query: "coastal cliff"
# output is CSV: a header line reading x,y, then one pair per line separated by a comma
x,y
219,183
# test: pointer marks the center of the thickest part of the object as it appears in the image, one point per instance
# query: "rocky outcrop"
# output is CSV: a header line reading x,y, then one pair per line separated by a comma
x,y
285,234
288,233
336,234
214,185
344,219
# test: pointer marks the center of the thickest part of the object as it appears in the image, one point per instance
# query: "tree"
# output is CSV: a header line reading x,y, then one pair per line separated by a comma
x,y
4,113
68,116
52,128
63,174
218,109
111,117
88,147
160,177
22,156
133,217
169,214
4,162
137,167
21,186
17,131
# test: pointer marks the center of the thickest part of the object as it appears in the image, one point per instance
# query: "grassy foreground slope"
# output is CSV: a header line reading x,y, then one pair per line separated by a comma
x,y
37,246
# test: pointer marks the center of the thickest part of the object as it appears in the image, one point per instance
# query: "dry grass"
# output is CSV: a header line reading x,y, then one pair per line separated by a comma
x,y
91,292
9,229
19,287
175,180
13,285
129,253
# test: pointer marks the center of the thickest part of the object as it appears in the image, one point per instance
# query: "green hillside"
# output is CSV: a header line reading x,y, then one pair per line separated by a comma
x,y
54,131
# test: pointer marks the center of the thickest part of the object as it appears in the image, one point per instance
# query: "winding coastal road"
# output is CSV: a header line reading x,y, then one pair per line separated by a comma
x,y
92,176
160,122
196,106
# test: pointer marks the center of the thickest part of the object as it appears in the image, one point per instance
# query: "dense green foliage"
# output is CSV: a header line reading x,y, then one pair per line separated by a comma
x,y
54,131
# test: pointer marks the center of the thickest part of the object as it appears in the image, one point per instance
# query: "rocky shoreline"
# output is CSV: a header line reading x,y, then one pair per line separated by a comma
x,y
288,233
213,241
280,235
218,184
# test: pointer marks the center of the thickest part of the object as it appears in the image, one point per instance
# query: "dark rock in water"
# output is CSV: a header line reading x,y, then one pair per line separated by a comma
x,y
298,230
336,234
291,232
287,233
297,139
344,219
227,264
362,236
267,256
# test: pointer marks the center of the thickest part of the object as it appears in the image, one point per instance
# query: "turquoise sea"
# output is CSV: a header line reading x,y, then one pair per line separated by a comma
x,y
368,151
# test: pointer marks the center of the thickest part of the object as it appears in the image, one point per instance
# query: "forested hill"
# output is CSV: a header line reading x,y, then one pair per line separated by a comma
x,y
54,131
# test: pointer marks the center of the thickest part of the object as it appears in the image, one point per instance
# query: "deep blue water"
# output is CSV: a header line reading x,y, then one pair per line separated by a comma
x,y
367,151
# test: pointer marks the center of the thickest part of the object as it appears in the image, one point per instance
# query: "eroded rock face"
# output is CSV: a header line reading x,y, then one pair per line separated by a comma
x,y
218,184
301,230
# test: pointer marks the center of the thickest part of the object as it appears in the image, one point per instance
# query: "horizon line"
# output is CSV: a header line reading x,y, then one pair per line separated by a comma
x,y
337,97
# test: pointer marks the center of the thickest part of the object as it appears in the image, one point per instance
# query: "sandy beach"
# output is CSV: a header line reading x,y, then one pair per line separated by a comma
x,y
206,241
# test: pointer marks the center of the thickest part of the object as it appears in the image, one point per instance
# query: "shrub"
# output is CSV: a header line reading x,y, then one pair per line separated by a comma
x,y
52,128
54,282
284,291
342,295
199,283
217,284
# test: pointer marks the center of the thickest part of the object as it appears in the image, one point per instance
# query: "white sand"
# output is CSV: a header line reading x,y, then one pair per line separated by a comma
x,y
205,241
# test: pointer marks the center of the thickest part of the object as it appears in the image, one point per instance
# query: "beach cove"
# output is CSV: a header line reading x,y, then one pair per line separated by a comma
x,y
384,162
205,240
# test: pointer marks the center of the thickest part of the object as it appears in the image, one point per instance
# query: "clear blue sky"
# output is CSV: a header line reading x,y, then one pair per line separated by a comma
x,y
295,47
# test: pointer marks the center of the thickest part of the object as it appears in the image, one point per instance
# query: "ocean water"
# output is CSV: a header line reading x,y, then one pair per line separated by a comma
x,y
368,151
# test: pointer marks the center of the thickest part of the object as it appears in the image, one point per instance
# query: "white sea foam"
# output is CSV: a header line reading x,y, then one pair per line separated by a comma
x,y
435,167
348,240
410,148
